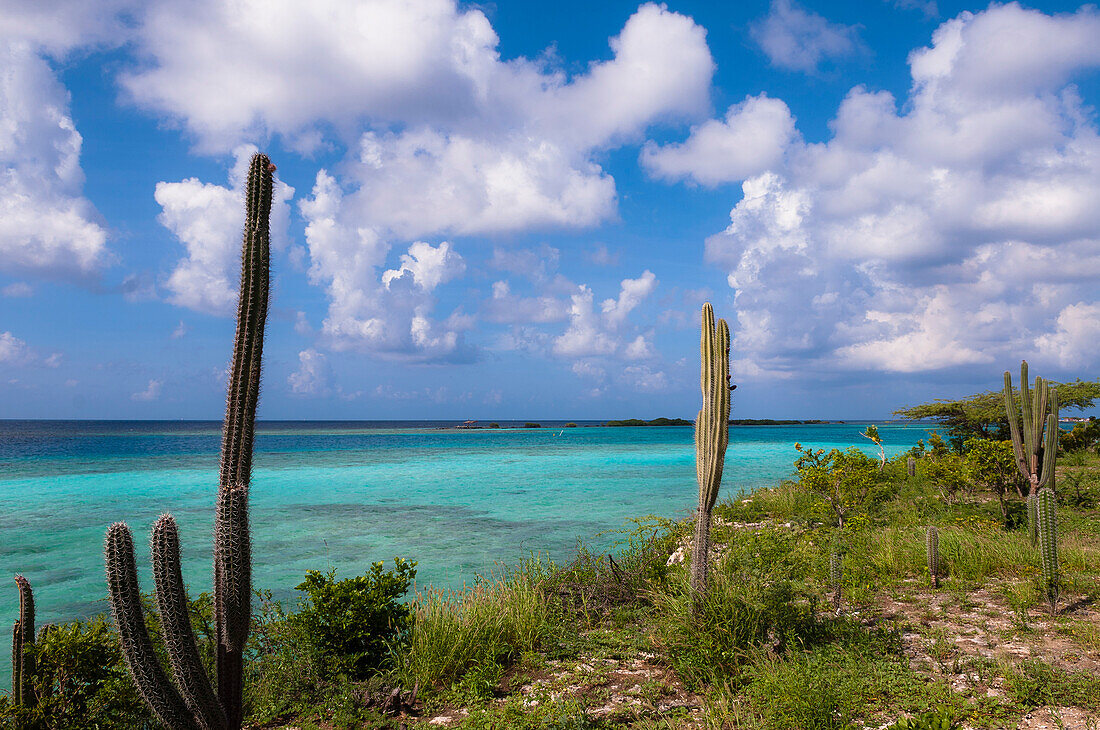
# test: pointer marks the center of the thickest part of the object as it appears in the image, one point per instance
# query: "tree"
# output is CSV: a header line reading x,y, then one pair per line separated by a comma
x,y
848,482
993,466
983,415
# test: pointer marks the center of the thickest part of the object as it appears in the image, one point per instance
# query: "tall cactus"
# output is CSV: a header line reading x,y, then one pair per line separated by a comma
x,y
711,436
22,641
1035,437
192,702
932,554
1048,545
911,466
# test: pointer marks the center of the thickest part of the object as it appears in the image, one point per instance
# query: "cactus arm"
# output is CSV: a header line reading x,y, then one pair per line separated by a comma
x,y
16,663
1025,410
198,693
149,677
1014,428
1048,544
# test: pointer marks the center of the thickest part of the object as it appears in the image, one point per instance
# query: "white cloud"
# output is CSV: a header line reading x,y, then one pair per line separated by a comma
x,y
313,377
445,138
504,306
536,264
645,379
429,266
598,334
208,219
752,139
18,289
13,350
180,331
958,232
151,392
47,227
800,40
1073,343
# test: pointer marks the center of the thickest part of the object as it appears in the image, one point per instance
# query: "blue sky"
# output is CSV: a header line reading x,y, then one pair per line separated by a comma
x,y
515,210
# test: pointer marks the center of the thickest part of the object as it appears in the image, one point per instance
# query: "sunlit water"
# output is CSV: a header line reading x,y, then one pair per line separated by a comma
x,y
344,495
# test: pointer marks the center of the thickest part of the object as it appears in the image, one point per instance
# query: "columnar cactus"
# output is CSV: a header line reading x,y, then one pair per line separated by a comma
x,y
192,701
911,466
1048,545
836,577
932,554
711,436
22,640
1036,443
1033,518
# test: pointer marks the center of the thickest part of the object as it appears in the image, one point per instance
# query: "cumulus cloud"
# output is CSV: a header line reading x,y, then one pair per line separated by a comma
x,y
800,40
47,227
506,307
958,231
13,350
313,376
445,138
750,140
208,220
428,265
591,333
151,392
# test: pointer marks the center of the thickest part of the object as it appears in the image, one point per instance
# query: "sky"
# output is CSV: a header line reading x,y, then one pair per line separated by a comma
x,y
515,210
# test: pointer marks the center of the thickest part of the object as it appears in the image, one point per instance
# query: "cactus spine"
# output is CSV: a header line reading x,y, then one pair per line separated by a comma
x,y
192,701
711,436
1033,518
1035,437
932,553
22,641
1048,545
836,577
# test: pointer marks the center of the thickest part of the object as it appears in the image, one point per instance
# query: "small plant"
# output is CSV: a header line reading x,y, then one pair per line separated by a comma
x,y
1048,545
350,625
872,434
932,554
942,719
836,576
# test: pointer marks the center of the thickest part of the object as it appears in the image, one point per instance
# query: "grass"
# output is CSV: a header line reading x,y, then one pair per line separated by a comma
x,y
622,641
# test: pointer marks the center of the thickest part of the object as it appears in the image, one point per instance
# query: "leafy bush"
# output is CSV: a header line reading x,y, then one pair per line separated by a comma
x,y
350,625
80,682
847,482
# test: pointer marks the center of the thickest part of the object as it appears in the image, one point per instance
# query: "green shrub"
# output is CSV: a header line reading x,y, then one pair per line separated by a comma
x,y
81,682
349,625
484,627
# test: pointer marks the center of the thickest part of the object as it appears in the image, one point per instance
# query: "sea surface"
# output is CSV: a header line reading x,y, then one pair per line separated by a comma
x,y
345,494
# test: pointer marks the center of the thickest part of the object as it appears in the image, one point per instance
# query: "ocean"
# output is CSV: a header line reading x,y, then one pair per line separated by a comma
x,y
345,494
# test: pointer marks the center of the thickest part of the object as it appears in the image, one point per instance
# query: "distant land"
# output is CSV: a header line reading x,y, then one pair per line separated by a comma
x,y
735,422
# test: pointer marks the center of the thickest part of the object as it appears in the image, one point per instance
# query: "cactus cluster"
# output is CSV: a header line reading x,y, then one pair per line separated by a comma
x,y
932,554
1048,544
192,701
711,436
22,640
1035,436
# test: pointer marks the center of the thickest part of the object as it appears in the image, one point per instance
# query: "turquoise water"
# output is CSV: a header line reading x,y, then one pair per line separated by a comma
x,y
346,494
